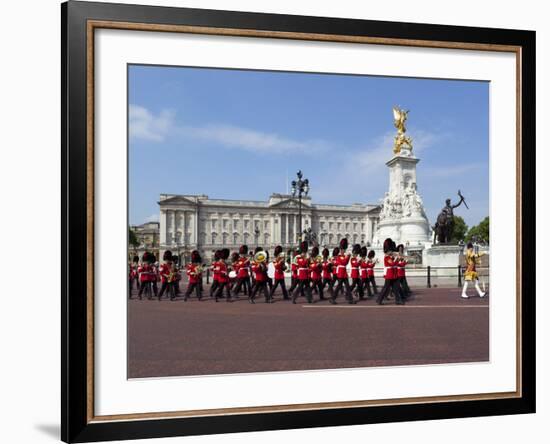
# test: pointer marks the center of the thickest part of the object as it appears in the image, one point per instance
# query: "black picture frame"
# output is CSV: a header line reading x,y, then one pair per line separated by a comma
x,y
76,423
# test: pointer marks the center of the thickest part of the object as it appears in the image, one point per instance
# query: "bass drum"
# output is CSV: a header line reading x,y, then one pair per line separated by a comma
x,y
271,270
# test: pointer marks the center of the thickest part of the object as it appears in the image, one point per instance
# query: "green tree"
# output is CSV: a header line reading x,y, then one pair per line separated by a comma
x,y
459,229
132,238
479,232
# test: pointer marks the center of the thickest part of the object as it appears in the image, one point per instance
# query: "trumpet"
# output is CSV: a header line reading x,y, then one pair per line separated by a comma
x,y
318,259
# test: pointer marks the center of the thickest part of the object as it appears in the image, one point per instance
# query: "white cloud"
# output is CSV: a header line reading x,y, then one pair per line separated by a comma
x,y
365,169
145,125
148,126
251,140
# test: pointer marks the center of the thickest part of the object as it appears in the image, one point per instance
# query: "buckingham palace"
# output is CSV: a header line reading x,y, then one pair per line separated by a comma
x,y
189,222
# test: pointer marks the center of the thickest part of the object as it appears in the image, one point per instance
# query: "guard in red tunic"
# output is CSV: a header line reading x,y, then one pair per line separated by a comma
x,y
302,263
259,268
133,275
147,276
326,271
294,270
166,276
234,269
279,277
401,263
335,254
215,273
355,263
315,272
391,283
243,275
371,282
194,273
341,262
223,276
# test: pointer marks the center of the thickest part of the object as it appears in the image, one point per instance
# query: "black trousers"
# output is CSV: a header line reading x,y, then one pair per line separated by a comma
x,y
342,282
220,289
330,283
357,283
302,287
170,288
366,287
214,287
196,287
370,282
244,284
393,286
261,286
279,283
405,286
318,285
150,284
293,284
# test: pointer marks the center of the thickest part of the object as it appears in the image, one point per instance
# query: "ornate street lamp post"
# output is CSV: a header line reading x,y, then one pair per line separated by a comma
x,y
300,187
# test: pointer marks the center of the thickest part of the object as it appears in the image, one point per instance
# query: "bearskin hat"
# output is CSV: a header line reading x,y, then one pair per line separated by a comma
x,y
257,249
235,257
344,244
325,252
224,254
278,250
135,259
356,249
363,252
336,251
167,256
243,249
304,246
371,254
388,245
145,257
315,251
217,254
470,245
149,257
175,259
400,248
196,257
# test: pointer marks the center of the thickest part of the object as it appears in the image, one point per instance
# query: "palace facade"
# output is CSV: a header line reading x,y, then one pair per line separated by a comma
x,y
189,222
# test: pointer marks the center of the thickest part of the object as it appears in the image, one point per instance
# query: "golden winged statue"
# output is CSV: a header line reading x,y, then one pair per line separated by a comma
x,y
400,140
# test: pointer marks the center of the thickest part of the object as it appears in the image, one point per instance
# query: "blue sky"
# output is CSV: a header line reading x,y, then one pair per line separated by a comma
x,y
239,134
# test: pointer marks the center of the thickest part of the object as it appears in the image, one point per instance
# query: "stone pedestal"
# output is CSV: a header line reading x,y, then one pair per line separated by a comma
x,y
442,256
402,216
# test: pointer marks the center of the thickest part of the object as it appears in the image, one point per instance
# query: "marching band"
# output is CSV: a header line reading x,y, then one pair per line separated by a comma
x,y
254,273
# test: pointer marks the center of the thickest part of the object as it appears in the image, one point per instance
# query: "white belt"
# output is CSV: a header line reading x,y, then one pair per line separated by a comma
x,y
303,269
355,268
340,266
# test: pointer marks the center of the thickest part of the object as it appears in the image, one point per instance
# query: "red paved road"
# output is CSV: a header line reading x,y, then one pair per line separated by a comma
x,y
196,338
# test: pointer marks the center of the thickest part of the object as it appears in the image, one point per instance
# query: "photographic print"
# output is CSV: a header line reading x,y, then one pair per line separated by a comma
x,y
295,221
276,221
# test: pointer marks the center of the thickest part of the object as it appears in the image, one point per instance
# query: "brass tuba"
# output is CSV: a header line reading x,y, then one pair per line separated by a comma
x,y
260,256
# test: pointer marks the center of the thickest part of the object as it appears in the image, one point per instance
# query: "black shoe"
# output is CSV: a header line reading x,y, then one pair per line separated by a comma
x,y
251,300
332,301
185,299
379,302
293,300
